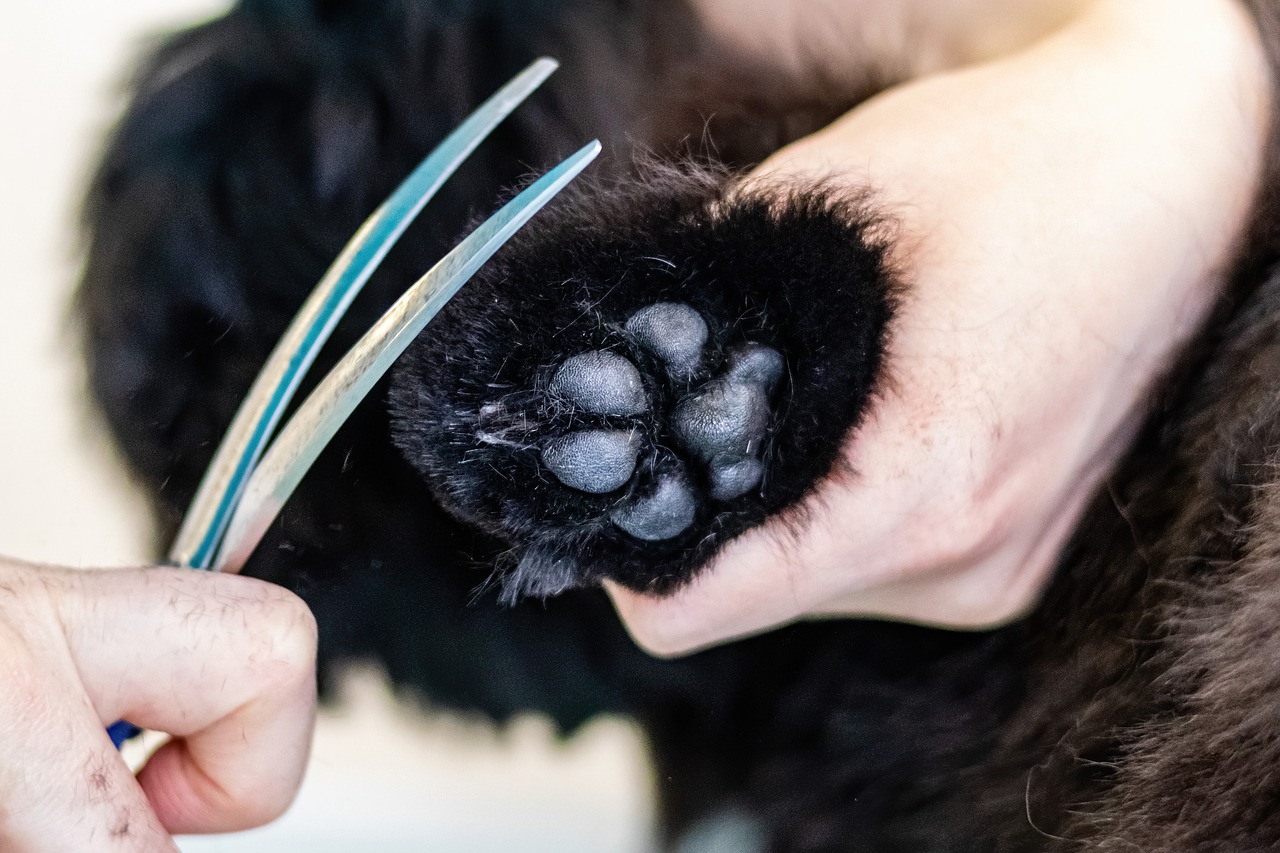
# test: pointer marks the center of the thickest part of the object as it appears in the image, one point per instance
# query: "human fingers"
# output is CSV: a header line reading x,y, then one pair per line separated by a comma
x,y
62,784
224,663
1069,212
947,572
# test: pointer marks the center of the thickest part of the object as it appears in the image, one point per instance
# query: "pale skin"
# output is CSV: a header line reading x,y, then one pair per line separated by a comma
x,y
224,663
1065,215
1069,179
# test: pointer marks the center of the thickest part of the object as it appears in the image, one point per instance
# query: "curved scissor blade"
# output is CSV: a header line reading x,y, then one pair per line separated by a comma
x,y
321,415
246,438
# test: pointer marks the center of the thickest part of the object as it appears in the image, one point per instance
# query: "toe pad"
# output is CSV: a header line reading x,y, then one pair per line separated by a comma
x,y
595,461
602,383
756,364
666,513
673,333
726,418
735,479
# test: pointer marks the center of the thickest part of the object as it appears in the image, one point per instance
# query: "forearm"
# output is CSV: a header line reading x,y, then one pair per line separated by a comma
x,y
898,39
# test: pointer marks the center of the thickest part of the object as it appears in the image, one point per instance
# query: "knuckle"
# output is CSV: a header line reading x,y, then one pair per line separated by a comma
x,y
992,600
290,634
273,634
655,642
29,644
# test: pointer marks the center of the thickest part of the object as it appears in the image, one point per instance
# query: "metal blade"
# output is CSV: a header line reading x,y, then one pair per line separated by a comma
x,y
246,438
328,407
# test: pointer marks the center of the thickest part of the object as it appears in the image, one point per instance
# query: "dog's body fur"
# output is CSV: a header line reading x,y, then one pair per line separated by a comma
x,y
1137,708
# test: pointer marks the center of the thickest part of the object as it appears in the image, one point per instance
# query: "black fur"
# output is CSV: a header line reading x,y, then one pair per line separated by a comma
x,y
1135,709
800,277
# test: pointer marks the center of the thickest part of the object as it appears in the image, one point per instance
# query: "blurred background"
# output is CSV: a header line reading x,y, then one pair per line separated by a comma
x,y
382,777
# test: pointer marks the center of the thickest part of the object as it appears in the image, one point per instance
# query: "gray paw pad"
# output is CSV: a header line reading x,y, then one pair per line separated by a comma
x,y
593,460
734,479
602,383
720,426
674,333
756,364
666,513
725,420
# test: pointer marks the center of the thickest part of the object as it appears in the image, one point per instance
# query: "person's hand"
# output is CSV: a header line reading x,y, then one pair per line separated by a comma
x,y
226,664
1065,216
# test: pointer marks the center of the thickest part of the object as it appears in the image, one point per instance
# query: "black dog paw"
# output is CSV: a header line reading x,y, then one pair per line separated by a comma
x,y
642,375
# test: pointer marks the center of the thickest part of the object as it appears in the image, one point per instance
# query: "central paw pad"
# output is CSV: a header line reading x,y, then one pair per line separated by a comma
x,y
707,444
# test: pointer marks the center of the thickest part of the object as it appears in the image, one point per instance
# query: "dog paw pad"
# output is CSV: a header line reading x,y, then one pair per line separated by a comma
x,y
595,461
756,364
672,332
662,445
724,421
734,479
665,514
602,383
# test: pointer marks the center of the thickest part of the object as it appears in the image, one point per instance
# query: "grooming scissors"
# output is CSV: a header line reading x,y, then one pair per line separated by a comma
x,y
248,481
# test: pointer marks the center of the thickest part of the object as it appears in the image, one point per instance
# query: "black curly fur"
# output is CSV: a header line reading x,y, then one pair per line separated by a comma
x,y
1134,709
